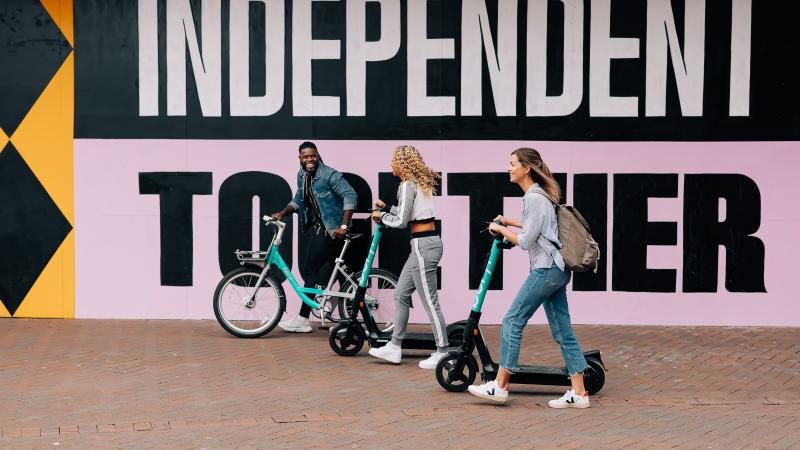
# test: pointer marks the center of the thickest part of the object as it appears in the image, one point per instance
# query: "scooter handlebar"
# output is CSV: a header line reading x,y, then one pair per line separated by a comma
x,y
497,236
506,244
502,242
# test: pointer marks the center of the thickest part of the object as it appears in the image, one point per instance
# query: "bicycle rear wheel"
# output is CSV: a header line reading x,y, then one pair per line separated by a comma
x,y
379,296
241,313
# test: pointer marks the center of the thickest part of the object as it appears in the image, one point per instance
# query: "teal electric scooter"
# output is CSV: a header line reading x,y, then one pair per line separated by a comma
x,y
348,336
457,371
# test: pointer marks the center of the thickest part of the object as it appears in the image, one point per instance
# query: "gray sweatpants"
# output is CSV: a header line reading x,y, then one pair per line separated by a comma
x,y
419,273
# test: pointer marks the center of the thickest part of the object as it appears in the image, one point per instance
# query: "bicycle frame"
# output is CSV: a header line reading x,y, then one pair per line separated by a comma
x,y
273,257
339,268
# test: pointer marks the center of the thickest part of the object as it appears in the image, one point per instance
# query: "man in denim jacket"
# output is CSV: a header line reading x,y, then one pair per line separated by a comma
x,y
325,202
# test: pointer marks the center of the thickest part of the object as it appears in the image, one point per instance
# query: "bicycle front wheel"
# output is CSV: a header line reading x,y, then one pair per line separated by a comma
x,y
244,309
379,296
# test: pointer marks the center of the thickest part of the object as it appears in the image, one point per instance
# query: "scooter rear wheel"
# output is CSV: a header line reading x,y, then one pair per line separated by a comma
x,y
594,377
456,381
346,340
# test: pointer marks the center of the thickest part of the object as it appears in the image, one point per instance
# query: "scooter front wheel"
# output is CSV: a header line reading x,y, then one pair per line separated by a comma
x,y
346,339
450,377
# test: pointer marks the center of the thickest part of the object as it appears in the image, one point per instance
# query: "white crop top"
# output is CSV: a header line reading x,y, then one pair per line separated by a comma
x,y
413,206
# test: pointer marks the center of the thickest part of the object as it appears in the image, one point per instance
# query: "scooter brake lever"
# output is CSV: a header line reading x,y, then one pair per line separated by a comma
x,y
488,230
497,221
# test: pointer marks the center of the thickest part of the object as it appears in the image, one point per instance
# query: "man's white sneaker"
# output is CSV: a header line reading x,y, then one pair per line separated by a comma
x,y
388,352
570,400
489,391
296,324
431,362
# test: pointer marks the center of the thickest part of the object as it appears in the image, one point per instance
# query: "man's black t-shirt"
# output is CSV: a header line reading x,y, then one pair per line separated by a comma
x,y
313,215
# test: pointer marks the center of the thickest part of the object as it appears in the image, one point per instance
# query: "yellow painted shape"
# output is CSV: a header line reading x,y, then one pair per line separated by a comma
x,y
44,139
53,293
61,12
3,140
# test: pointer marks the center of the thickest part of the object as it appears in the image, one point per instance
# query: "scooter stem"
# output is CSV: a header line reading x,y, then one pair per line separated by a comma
x,y
494,253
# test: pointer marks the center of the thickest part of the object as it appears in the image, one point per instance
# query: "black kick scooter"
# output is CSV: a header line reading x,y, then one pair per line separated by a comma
x,y
457,371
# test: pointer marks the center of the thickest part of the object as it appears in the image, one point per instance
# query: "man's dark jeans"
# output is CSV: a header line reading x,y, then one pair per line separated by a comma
x,y
319,250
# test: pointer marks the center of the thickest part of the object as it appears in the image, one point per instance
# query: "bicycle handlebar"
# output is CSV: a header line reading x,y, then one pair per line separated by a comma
x,y
281,226
270,219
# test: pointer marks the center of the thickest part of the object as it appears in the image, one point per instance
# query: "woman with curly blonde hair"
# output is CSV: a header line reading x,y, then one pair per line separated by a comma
x,y
415,207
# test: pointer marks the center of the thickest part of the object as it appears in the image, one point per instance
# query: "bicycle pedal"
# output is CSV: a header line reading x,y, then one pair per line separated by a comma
x,y
323,327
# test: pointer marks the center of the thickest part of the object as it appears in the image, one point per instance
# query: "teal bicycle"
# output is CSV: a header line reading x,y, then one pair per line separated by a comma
x,y
249,301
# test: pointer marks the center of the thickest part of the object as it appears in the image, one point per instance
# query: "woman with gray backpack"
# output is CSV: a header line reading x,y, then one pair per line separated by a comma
x,y
546,284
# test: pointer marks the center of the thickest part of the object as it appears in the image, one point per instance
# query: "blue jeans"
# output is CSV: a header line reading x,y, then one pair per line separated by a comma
x,y
546,287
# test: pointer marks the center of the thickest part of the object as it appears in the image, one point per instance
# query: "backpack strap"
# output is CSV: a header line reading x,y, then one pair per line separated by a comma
x,y
555,206
543,193
574,211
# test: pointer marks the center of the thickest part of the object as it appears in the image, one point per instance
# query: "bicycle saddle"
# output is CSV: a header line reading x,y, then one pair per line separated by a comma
x,y
354,236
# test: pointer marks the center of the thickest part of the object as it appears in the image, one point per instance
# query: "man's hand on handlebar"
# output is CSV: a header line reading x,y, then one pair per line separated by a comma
x,y
278,215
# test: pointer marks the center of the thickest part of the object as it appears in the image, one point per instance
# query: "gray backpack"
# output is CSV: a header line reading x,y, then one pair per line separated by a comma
x,y
579,250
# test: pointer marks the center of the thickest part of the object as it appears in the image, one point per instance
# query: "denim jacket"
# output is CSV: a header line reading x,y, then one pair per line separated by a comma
x,y
333,193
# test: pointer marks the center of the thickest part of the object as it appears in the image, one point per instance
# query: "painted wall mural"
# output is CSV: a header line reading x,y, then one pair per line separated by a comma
x,y
37,242
671,125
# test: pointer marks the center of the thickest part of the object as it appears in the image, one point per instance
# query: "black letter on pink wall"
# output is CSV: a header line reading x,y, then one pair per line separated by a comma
x,y
703,233
175,191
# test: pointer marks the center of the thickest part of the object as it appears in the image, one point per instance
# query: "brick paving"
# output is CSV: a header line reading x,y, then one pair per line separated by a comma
x,y
187,384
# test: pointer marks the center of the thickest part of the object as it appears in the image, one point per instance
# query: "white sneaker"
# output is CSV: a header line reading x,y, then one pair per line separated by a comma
x,y
489,391
388,352
297,324
431,362
570,400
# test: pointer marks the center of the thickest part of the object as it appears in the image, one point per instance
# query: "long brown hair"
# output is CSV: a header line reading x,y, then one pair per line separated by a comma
x,y
540,173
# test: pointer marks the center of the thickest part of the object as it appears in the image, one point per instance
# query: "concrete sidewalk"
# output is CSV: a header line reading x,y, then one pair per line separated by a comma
x,y
188,384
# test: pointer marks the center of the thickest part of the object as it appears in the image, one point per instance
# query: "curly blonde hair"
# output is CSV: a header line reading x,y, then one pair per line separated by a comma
x,y
411,165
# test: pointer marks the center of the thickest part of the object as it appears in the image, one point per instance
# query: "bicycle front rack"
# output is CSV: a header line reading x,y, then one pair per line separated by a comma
x,y
256,257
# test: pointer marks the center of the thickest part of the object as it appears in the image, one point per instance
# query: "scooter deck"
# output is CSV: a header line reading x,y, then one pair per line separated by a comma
x,y
549,375
412,341
419,341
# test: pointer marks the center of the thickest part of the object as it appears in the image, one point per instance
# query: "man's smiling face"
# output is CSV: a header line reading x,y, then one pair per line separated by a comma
x,y
309,159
